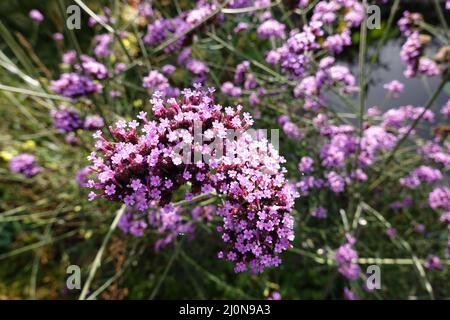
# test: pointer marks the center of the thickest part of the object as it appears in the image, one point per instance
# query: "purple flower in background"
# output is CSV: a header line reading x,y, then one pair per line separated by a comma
x,y
445,218
120,67
337,42
411,54
409,22
271,29
57,36
81,176
156,81
145,9
102,42
439,198
36,15
73,85
92,67
446,110
319,213
303,3
423,174
240,71
161,29
306,165
230,89
69,57
275,295
349,294
240,26
168,69
128,224
433,263
25,164
197,67
345,256
419,228
428,67
335,182
291,130
71,138
93,122
66,119
391,232
395,88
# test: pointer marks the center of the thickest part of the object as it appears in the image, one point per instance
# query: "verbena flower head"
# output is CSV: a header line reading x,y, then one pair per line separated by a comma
x,y
395,88
439,198
143,167
66,119
25,164
271,29
73,85
409,22
345,257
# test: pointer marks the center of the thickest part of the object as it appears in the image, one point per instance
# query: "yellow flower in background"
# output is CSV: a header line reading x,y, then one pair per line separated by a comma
x,y
5,155
52,166
28,145
137,103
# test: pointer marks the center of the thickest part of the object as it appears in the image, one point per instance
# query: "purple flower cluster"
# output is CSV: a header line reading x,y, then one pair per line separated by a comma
x,y
435,152
306,165
142,168
167,221
439,198
291,130
156,81
341,143
409,22
423,174
345,257
73,85
309,88
241,69
349,294
433,263
271,29
82,81
93,122
82,176
66,119
198,68
397,118
230,89
319,213
411,53
395,88
102,43
25,164
163,29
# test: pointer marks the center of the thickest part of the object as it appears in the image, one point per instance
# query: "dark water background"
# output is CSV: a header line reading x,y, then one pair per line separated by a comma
x,y
390,67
